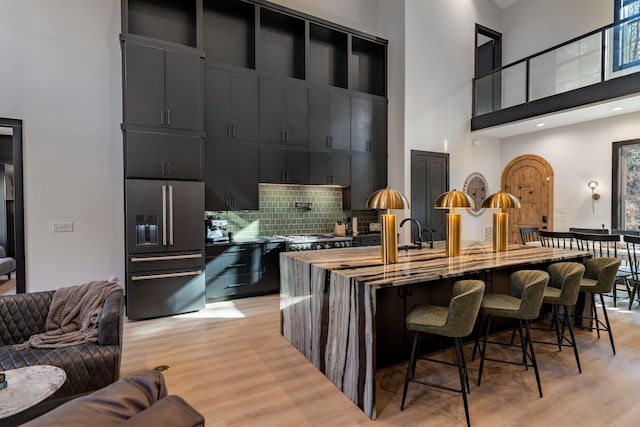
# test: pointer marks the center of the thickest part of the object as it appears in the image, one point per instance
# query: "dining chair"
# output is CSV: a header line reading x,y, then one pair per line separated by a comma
x,y
606,245
590,230
633,260
529,234
625,232
557,239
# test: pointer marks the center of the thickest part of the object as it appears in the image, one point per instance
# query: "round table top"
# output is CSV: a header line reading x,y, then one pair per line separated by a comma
x,y
29,386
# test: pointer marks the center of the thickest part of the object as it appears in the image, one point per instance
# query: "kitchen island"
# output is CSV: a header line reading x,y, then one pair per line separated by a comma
x,y
345,310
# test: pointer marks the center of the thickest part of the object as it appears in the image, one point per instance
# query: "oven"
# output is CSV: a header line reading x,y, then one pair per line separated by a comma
x,y
314,242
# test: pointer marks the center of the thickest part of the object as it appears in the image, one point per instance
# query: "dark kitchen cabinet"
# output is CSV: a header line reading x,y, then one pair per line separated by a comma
x,y
368,174
283,166
368,124
159,155
231,105
172,21
329,118
163,88
231,176
272,252
329,168
234,270
284,112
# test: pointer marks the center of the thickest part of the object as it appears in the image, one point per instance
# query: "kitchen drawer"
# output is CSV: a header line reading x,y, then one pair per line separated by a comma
x,y
235,263
234,285
162,261
228,249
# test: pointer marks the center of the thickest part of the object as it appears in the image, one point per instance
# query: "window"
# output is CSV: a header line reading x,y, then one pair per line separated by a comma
x,y
626,35
626,185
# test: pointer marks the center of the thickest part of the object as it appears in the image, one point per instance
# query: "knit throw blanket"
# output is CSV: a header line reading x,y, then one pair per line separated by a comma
x,y
73,316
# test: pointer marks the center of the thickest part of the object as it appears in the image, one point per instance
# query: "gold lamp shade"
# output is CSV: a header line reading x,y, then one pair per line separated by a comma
x,y
387,198
451,200
500,200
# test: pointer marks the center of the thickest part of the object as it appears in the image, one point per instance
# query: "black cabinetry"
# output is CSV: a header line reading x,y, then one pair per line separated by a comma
x,y
368,174
231,105
368,124
163,88
169,20
283,166
329,118
329,168
159,155
231,175
284,112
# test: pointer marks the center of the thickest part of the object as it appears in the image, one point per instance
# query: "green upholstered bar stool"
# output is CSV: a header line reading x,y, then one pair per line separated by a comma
x,y
564,285
526,290
455,321
599,278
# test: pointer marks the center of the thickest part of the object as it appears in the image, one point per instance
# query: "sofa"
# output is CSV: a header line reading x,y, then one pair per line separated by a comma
x,y
136,400
89,366
7,264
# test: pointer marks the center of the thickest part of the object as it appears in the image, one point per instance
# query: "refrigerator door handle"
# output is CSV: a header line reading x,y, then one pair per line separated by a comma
x,y
166,275
171,215
164,217
165,258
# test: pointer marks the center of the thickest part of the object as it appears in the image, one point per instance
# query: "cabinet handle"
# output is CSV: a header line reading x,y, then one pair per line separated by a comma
x,y
330,142
282,136
164,218
368,145
161,117
165,258
287,179
169,168
286,136
326,141
235,266
233,131
171,215
168,117
235,285
167,275
162,168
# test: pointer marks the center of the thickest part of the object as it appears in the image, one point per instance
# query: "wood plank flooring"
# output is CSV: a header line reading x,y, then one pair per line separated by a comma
x,y
230,362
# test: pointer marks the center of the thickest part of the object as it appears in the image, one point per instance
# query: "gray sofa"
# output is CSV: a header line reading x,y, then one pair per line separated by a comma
x,y
89,366
137,400
7,264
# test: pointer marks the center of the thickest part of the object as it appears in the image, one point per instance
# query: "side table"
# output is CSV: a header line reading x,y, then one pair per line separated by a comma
x,y
28,386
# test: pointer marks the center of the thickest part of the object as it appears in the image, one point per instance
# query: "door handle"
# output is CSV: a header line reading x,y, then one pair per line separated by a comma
x,y
171,215
169,168
161,117
164,218
233,131
544,219
165,258
168,117
286,136
162,168
235,266
167,275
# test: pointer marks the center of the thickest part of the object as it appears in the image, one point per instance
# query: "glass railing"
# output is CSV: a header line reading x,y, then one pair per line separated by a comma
x,y
604,54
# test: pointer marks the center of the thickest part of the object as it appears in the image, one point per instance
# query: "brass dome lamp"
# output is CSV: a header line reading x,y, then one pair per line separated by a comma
x,y
387,198
500,200
451,200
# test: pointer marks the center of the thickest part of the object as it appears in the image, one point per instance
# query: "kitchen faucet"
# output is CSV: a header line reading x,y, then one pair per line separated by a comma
x,y
430,239
418,241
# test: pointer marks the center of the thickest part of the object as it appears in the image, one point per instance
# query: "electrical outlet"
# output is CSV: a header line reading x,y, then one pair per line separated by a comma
x,y
62,227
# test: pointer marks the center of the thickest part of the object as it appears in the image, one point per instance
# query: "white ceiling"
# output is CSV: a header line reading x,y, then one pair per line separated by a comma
x,y
563,118
504,3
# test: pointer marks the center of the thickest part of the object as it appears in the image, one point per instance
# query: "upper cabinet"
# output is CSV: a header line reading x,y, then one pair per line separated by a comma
x,y
229,33
281,50
369,124
168,20
284,112
163,88
327,56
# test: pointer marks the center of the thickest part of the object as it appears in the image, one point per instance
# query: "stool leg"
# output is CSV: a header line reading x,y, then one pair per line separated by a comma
x,y
411,367
567,321
634,291
484,348
533,356
463,376
595,313
606,319
522,346
476,343
557,326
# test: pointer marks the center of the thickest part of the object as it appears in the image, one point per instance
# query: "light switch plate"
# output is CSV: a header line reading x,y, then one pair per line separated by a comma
x,y
62,227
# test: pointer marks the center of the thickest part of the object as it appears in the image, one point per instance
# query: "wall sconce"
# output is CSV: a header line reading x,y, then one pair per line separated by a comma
x,y
594,196
451,200
500,200
387,198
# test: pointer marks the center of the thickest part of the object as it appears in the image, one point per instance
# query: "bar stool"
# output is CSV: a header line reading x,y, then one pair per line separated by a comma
x,y
564,285
599,278
455,321
526,290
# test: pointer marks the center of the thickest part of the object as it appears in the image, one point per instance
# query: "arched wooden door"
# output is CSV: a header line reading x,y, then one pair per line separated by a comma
x,y
530,178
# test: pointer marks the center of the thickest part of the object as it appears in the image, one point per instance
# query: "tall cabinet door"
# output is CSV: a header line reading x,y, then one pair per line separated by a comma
x,y
360,181
144,85
272,166
379,126
217,95
183,157
245,116
145,216
144,155
319,117
272,111
183,91
185,206
340,122
360,123
297,114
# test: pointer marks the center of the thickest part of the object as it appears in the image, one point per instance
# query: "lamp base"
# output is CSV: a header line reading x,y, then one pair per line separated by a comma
x,y
389,239
500,221
453,234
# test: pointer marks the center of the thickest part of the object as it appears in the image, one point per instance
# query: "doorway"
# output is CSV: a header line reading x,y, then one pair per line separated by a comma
x,y
11,133
488,57
530,179
429,179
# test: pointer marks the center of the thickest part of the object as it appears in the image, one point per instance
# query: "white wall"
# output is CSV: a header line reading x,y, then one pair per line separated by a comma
x,y
439,53
530,26
577,154
61,74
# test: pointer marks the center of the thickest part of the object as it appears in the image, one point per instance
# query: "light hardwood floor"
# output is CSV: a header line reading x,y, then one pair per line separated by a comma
x,y
230,362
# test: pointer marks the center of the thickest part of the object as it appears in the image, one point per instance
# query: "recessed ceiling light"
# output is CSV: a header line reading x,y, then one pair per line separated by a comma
x,y
616,109
540,125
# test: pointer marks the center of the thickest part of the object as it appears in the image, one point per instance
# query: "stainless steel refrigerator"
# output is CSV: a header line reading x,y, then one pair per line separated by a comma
x,y
165,247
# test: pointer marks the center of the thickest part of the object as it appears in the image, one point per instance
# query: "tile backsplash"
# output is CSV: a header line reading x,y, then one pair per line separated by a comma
x,y
278,213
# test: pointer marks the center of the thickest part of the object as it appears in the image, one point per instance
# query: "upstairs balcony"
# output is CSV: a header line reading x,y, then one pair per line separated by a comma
x,y
599,66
